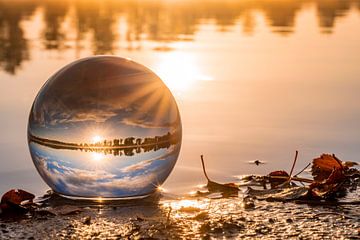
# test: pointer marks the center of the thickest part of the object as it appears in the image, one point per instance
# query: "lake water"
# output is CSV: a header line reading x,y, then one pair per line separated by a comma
x,y
254,80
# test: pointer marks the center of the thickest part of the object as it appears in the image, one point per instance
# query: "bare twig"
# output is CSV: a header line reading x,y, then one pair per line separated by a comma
x,y
293,178
292,168
203,166
303,169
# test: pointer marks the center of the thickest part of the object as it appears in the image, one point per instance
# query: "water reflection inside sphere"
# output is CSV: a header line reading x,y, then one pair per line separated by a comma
x,y
104,126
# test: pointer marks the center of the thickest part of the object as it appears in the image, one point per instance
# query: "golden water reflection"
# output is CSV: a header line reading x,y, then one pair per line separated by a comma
x,y
254,79
107,26
180,71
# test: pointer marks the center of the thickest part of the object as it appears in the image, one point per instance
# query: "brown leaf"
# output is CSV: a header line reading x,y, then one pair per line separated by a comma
x,y
328,187
13,199
227,189
324,165
277,178
279,194
350,164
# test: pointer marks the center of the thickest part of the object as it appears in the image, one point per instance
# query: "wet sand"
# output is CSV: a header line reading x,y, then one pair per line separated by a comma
x,y
169,217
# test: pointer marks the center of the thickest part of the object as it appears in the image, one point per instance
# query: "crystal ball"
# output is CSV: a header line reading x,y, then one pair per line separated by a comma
x,y
104,126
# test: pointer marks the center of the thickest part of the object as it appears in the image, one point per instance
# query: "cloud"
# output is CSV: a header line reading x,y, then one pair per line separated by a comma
x,y
142,123
136,167
137,179
99,90
171,152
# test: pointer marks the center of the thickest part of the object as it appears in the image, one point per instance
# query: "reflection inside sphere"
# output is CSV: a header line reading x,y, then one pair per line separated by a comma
x,y
104,127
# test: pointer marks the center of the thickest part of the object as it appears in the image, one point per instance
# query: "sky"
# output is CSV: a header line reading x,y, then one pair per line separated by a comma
x,y
105,97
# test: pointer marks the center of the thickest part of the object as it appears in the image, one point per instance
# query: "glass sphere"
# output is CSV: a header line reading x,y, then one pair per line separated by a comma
x,y
104,126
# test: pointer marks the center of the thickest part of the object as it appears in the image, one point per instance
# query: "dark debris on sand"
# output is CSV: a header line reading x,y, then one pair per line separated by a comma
x,y
328,209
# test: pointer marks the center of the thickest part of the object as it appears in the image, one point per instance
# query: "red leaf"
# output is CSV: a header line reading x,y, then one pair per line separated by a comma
x,y
274,181
14,198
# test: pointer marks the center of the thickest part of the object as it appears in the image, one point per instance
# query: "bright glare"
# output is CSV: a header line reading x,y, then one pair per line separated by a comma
x,y
179,71
97,156
161,189
185,203
96,139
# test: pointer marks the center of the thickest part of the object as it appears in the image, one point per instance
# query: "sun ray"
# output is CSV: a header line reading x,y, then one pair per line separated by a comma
x,y
142,90
149,103
163,108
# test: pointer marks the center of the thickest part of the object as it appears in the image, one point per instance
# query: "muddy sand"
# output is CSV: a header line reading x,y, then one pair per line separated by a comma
x,y
163,216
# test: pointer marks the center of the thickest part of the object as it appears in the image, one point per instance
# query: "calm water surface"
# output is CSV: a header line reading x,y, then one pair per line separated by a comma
x,y
253,79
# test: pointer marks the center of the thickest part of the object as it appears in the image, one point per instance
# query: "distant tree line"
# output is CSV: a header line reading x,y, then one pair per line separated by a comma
x,y
158,21
118,146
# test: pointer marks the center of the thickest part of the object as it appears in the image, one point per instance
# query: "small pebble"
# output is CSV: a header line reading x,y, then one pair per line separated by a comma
x,y
87,220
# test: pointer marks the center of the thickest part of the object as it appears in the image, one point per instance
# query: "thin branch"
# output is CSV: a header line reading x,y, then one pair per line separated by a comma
x,y
303,169
203,166
292,168
293,178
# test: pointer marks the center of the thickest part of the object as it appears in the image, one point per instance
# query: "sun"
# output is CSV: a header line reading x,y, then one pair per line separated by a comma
x,y
180,71
97,139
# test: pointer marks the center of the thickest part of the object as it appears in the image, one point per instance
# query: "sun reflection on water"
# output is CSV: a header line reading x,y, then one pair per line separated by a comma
x,y
97,157
186,204
180,71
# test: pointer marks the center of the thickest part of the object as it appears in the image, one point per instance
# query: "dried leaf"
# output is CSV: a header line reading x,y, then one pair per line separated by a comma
x,y
330,187
279,194
324,165
350,164
228,189
13,200
277,178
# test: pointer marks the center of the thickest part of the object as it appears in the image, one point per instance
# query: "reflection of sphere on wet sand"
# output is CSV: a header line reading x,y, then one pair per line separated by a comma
x,y
104,126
